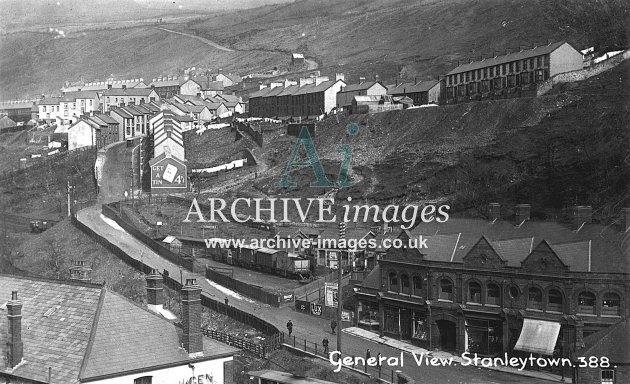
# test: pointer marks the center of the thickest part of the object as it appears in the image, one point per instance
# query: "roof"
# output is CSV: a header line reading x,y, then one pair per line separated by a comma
x,y
166,83
208,85
312,88
233,77
106,118
116,85
368,98
16,104
260,93
5,122
609,343
361,86
228,98
81,95
122,112
84,331
524,54
128,92
406,88
606,241
286,378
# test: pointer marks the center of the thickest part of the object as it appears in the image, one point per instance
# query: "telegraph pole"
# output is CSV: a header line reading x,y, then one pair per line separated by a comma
x,y
342,236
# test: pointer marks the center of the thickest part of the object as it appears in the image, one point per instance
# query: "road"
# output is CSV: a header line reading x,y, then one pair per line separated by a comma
x,y
202,39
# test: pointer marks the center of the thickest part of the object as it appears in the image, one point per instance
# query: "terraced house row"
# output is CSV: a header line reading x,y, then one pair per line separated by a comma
x,y
482,285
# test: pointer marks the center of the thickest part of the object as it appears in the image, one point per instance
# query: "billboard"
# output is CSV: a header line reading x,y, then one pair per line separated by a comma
x,y
168,175
331,292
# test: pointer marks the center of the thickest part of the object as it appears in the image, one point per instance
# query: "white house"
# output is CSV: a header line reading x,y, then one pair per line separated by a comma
x,y
120,97
167,132
77,332
68,107
201,87
82,134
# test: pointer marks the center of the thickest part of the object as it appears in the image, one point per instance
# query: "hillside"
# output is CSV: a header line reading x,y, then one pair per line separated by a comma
x,y
566,148
419,39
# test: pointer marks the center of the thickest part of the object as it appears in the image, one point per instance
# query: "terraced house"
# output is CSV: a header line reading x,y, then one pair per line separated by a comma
x,y
495,286
511,75
120,97
68,107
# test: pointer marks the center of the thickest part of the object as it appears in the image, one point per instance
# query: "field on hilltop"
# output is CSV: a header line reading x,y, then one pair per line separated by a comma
x,y
392,39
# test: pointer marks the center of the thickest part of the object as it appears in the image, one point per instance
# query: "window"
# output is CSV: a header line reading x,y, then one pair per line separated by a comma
x,y
143,380
586,303
534,298
518,66
393,281
611,304
404,283
525,78
485,73
43,108
446,290
511,81
493,294
491,71
539,61
417,285
555,301
511,67
531,63
608,376
474,292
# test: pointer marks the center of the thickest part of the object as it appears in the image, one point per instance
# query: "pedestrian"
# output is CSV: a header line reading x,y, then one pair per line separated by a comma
x,y
290,327
325,345
378,357
226,301
367,357
333,325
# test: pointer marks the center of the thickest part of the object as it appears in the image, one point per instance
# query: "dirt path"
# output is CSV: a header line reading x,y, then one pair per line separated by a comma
x,y
202,39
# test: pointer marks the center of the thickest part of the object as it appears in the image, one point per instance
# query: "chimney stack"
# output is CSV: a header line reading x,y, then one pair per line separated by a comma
x,y
14,344
523,212
80,272
191,318
494,211
581,215
155,297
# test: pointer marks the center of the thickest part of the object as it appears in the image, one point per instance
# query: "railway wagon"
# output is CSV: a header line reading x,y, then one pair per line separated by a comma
x,y
292,264
267,258
245,256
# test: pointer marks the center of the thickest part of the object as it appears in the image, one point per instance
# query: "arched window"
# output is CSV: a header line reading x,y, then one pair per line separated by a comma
x,y
554,302
611,304
417,285
143,380
534,298
404,283
474,292
393,282
446,290
586,303
493,294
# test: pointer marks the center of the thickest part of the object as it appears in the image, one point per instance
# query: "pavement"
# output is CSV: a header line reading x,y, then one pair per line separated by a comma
x,y
355,341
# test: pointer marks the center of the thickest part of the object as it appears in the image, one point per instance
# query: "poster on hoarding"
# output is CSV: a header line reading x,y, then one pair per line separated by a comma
x,y
316,309
331,294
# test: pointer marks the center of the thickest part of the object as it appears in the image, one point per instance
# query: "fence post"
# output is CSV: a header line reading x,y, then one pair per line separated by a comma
x,y
315,349
304,345
293,341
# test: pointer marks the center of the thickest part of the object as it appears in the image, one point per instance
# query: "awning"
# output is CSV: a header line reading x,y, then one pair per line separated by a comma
x,y
538,336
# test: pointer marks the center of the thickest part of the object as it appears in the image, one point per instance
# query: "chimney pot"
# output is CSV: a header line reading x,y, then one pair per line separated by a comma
x,y
494,211
14,344
155,296
191,318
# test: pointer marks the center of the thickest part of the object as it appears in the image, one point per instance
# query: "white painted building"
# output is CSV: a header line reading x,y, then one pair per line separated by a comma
x,y
68,107
82,134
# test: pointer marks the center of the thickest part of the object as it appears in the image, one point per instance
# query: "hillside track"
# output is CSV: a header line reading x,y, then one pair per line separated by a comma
x,y
202,39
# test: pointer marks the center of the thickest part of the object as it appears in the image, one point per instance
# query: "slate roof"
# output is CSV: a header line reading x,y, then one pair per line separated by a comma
x,y
524,54
81,95
312,88
166,83
84,331
406,88
16,105
229,98
513,251
209,85
610,343
122,112
6,122
106,118
607,254
260,93
360,87
128,92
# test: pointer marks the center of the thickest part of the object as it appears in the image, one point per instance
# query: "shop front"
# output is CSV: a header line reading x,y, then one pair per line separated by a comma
x,y
406,323
484,337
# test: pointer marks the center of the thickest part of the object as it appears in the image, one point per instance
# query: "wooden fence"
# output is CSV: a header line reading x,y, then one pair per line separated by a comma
x,y
246,289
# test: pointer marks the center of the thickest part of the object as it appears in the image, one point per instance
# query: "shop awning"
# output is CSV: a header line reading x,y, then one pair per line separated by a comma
x,y
538,336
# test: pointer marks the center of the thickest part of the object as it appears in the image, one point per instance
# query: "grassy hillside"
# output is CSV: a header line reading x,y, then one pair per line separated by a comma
x,y
566,148
409,39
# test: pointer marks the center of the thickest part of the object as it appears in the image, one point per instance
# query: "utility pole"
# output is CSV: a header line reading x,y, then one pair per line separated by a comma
x,y
342,236
69,206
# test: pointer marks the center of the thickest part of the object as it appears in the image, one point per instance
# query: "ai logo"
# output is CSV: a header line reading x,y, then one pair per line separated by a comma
x,y
304,139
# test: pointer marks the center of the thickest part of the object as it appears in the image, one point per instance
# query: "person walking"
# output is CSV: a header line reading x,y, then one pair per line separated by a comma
x,y
367,357
290,327
226,301
378,358
333,325
325,345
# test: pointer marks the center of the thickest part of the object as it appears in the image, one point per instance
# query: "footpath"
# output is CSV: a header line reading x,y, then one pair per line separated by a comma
x,y
355,341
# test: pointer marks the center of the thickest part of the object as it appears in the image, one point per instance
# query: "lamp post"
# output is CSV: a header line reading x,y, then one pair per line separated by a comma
x,y
342,236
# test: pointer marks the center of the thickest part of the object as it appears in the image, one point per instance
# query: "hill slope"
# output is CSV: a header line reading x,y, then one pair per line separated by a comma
x,y
567,148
